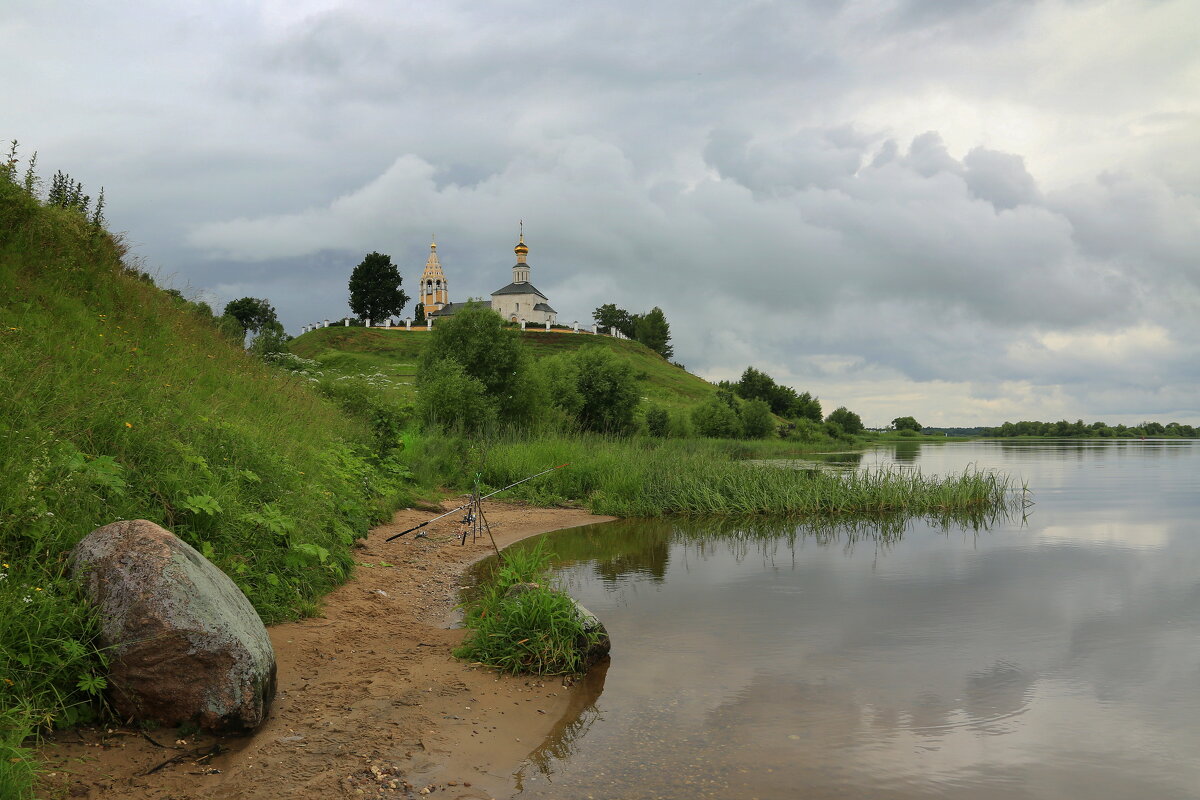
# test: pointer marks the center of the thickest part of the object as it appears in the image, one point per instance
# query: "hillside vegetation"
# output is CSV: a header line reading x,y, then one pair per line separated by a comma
x,y
395,354
121,401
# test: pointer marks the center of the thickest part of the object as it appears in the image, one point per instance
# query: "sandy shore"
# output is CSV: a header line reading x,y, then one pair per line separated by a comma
x,y
370,701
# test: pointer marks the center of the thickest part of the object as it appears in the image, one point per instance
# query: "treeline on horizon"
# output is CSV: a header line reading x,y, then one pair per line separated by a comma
x,y
1080,429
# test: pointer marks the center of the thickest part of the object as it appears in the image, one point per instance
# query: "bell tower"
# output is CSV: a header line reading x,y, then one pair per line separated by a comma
x,y
434,291
521,269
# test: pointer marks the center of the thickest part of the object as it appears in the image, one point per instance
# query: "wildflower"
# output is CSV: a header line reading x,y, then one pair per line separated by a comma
x,y
128,424
27,599
37,588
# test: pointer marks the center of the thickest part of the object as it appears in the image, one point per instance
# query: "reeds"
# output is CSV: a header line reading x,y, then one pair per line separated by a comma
x,y
648,478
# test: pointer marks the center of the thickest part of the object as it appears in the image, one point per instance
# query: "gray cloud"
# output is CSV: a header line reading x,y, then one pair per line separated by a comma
x,y
920,204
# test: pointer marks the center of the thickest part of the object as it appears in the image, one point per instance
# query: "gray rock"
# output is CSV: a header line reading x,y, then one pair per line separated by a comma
x,y
186,645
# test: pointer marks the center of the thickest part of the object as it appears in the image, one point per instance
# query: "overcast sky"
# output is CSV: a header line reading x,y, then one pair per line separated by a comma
x,y
963,210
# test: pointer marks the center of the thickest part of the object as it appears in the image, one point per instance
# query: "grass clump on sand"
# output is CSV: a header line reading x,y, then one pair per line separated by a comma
x,y
538,630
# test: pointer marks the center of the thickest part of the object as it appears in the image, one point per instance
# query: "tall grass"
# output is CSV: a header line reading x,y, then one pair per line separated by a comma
x,y
653,477
538,630
118,401
17,764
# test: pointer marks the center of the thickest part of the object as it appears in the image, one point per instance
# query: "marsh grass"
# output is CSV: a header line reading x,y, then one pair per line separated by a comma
x,y
653,477
536,631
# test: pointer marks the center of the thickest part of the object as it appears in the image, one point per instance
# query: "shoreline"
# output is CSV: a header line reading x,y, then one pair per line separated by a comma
x,y
370,701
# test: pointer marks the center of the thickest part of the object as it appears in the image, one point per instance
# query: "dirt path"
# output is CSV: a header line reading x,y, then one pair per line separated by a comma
x,y
370,701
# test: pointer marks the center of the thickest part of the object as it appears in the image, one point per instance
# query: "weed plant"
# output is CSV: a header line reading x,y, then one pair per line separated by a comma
x,y
118,402
536,631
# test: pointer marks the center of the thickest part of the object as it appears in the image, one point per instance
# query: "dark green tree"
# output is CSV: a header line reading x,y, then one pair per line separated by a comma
x,y
419,314
755,385
375,290
906,424
609,316
252,313
846,419
806,407
652,330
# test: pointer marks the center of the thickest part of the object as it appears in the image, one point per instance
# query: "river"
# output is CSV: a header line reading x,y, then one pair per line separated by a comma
x,y
1051,655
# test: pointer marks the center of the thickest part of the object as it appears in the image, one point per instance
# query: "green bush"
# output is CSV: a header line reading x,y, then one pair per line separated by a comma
x,y
757,421
658,422
716,419
450,399
609,390
538,630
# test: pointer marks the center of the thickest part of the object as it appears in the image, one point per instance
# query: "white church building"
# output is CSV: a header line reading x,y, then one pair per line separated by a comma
x,y
519,301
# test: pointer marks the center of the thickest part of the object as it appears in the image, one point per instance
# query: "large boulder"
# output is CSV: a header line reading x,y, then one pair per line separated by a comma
x,y
186,645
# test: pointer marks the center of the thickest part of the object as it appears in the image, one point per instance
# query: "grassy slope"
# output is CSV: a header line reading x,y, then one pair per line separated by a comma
x,y
395,353
117,402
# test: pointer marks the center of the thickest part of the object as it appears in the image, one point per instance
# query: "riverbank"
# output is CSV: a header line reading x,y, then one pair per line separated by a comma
x,y
369,694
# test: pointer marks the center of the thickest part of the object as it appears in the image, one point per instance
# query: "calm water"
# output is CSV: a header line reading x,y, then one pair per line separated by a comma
x,y
1055,657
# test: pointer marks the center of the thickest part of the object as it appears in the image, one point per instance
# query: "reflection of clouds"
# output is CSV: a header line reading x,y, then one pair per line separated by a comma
x,y
1046,661
1126,532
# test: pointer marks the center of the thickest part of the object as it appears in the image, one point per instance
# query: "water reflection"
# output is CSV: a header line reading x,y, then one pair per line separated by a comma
x,y
576,720
906,452
1057,656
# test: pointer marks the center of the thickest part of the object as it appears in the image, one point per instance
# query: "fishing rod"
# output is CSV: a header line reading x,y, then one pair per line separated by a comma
x,y
473,501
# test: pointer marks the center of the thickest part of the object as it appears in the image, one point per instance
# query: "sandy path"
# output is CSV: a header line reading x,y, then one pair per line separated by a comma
x,y
370,701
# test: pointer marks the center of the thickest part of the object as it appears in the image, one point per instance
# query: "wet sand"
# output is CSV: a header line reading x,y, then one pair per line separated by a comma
x,y
370,704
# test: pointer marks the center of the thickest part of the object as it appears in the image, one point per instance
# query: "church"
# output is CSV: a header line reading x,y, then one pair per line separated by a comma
x,y
519,301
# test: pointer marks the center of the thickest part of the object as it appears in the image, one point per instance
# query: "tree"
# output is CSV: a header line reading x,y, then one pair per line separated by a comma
x,y
476,338
375,290
755,385
609,316
806,407
757,422
906,424
609,390
846,419
252,314
419,314
652,330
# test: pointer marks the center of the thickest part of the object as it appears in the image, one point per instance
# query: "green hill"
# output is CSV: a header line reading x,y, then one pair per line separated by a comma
x,y
394,354
121,401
